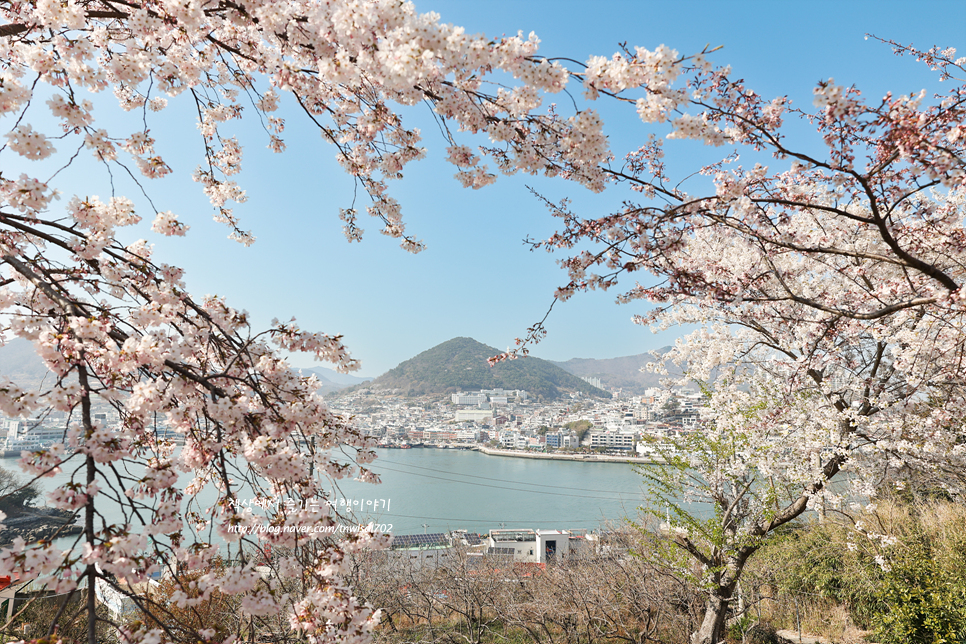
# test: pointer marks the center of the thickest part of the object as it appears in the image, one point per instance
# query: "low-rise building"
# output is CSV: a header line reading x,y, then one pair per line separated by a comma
x,y
537,546
421,550
119,604
468,399
521,545
477,415
508,439
611,440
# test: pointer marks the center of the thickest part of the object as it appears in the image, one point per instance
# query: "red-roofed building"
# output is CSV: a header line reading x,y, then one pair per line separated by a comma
x,y
8,592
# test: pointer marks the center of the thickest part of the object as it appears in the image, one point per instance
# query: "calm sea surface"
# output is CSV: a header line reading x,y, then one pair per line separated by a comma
x,y
449,489
457,489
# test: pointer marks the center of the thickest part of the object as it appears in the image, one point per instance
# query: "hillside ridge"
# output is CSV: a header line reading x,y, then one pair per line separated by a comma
x,y
460,364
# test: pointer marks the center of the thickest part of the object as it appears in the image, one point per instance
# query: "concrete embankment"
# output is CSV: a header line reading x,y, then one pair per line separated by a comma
x,y
580,458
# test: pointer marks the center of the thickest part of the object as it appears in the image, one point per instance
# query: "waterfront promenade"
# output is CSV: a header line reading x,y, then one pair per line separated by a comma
x,y
580,458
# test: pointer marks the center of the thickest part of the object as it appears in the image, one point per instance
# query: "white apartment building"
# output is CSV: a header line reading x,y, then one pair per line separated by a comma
x,y
508,439
468,399
611,440
593,382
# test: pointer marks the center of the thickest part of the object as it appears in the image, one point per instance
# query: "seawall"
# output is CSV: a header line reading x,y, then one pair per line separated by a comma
x,y
580,458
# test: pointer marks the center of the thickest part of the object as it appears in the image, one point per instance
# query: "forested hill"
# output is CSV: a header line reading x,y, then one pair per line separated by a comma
x,y
461,364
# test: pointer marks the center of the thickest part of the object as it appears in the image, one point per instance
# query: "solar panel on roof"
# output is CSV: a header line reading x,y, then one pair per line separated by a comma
x,y
419,540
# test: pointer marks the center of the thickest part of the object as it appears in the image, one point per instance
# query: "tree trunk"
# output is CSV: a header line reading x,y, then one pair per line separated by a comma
x,y
712,630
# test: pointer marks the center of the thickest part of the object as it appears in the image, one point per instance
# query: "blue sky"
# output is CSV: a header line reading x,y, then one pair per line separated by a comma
x,y
476,277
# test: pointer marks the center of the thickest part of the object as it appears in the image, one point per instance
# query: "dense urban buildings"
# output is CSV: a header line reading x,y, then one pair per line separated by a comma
x,y
511,420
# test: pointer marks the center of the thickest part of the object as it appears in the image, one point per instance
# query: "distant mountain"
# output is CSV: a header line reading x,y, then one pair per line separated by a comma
x,y
460,365
21,364
331,379
620,373
334,376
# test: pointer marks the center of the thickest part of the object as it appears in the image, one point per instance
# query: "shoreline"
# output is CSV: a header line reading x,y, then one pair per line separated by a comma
x,y
38,524
579,458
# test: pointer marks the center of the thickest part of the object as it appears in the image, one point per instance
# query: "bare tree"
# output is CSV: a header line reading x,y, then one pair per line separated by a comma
x,y
474,599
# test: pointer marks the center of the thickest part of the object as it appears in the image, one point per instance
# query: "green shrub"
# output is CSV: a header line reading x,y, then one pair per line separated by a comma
x,y
815,560
924,596
912,590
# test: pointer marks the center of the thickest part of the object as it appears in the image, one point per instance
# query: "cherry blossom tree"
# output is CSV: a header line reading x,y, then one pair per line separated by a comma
x,y
826,284
119,331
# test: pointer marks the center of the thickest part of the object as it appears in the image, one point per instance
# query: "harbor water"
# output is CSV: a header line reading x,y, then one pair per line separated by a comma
x,y
436,490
